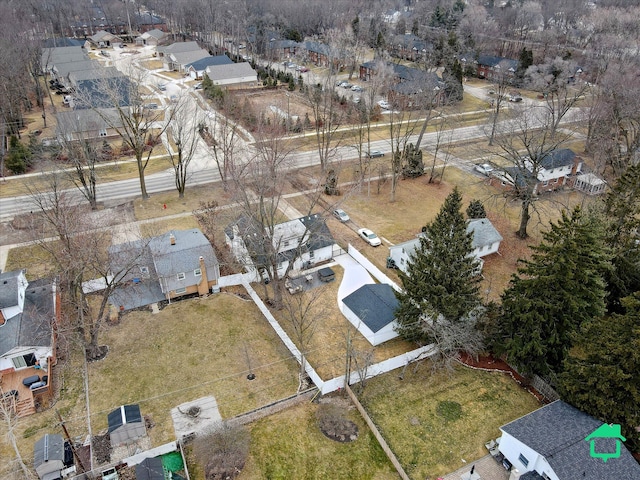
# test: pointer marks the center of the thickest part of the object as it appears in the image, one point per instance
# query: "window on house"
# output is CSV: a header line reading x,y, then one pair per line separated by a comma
x,y
310,253
286,243
523,460
19,362
545,183
402,261
180,291
197,272
181,276
556,180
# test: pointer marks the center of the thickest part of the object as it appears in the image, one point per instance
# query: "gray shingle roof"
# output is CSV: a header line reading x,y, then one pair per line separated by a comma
x,y
186,58
150,469
9,288
88,120
557,431
32,327
203,63
484,233
123,415
48,448
227,72
178,47
558,158
374,304
183,257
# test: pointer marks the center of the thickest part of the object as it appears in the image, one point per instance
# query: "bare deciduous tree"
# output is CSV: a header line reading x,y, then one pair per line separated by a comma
x,y
223,451
184,131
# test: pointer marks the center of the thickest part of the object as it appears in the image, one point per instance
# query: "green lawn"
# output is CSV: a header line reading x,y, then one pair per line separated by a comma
x,y
435,421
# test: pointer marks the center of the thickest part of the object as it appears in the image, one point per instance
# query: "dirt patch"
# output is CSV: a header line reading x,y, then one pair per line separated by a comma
x,y
102,448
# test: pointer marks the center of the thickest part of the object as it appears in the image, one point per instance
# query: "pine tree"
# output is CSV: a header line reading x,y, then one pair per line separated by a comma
x,y
560,288
602,373
476,209
622,208
441,285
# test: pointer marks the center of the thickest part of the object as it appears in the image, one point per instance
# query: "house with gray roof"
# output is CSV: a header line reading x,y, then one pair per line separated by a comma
x,y
197,69
153,37
88,124
53,57
172,265
371,310
104,39
29,315
180,60
234,75
486,240
555,442
177,47
555,170
297,244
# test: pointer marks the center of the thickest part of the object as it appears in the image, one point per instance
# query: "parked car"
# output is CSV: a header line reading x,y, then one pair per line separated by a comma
x,y
303,69
515,98
198,86
483,168
384,104
162,87
356,100
369,237
375,154
346,85
341,215
357,88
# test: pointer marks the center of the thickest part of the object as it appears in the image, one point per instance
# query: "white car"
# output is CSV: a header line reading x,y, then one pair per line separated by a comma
x,y
384,104
341,215
369,237
483,168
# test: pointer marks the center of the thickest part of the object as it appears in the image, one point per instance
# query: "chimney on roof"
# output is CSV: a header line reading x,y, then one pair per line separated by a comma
x,y
172,239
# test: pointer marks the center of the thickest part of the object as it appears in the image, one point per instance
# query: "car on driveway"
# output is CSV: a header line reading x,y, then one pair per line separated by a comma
x,y
375,154
357,88
384,104
369,237
341,215
483,168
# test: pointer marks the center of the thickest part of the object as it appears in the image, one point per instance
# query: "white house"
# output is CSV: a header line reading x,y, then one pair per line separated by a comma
x,y
197,69
552,443
152,37
304,241
238,74
371,310
486,240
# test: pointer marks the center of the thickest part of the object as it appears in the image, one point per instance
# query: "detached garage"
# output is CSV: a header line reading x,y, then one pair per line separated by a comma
x,y
371,309
238,74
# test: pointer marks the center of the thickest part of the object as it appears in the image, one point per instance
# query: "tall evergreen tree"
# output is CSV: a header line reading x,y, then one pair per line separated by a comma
x,y
557,290
441,286
602,373
622,208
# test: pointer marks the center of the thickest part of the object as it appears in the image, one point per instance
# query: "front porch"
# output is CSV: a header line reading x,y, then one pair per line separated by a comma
x,y
24,402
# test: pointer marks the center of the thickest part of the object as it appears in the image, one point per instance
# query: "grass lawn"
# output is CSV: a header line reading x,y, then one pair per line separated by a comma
x,y
436,421
191,349
290,445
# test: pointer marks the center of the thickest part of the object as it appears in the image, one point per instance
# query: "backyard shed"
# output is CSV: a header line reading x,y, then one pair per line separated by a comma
x,y
150,469
48,457
126,425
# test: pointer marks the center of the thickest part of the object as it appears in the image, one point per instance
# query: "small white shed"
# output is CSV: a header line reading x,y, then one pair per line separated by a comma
x,y
371,309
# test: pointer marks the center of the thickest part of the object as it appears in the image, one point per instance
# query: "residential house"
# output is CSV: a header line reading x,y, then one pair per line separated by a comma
x,y
147,22
100,88
197,69
410,85
486,241
234,75
371,309
103,39
53,58
319,54
65,42
177,47
304,241
150,469
554,170
88,124
153,37
492,67
181,60
408,47
169,266
391,16
554,443
29,315
282,49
